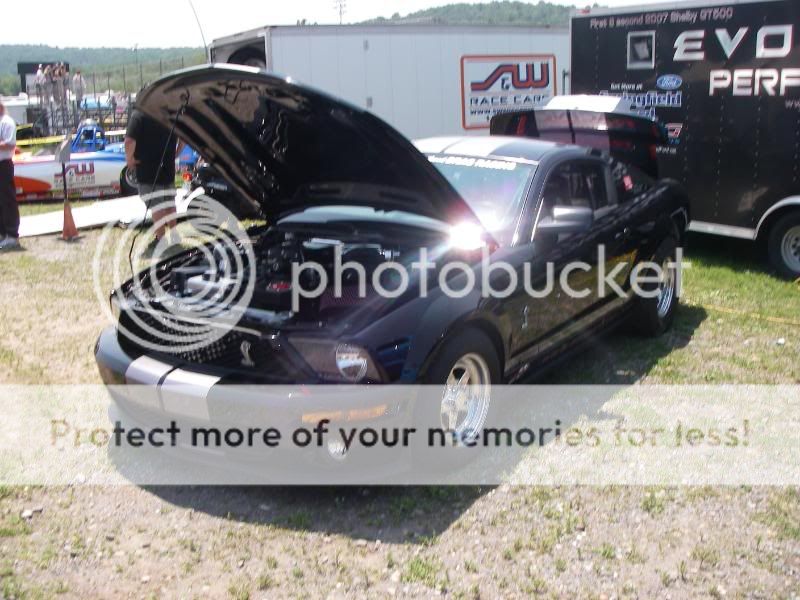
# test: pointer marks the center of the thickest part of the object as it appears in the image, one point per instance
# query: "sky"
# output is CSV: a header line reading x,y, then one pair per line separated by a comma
x,y
169,23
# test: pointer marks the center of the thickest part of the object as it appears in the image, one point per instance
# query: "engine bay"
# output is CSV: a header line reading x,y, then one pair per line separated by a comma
x,y
281,256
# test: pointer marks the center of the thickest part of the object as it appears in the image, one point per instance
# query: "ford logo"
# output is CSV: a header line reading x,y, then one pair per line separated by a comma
x,y
669,82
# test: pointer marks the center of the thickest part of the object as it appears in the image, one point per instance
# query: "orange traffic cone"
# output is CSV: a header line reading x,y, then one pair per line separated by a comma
x,y
69,232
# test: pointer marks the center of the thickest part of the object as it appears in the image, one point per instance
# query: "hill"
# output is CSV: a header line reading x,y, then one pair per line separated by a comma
x,y
105,62
542,14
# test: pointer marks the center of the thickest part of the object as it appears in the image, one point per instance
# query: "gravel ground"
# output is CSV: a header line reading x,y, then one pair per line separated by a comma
x,y
506,542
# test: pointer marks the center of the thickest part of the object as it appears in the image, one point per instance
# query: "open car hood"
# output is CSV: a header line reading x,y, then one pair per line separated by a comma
x,y
285,147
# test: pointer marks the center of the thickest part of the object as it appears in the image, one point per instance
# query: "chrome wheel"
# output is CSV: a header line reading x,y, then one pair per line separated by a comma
x,y
130,178
790,248
666,287
466,397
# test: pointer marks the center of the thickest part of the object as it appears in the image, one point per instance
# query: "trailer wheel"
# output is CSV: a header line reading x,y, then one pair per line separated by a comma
x,y
783,245
250,57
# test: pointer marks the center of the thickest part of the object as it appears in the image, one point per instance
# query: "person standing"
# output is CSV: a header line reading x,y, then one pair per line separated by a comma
x,y
39,83
58,85
150,150
78,88
48,84
9,211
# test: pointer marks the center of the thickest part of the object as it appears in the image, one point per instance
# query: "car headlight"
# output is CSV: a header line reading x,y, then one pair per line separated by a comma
x,y
337,361
352,362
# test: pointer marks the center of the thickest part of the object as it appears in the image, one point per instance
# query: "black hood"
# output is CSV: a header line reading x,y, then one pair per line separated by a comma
x,y
285,147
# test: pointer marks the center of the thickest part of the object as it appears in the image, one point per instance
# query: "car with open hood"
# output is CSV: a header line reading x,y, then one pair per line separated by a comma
x,y
338,186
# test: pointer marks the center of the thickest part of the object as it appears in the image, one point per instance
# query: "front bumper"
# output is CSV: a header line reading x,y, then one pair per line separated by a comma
x,y
148,393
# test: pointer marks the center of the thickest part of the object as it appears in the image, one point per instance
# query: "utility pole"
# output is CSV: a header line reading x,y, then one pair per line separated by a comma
x,y
341,7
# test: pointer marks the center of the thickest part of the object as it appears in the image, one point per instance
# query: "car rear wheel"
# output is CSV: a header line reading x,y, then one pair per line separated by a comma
x,y
783,245
128,186
653,314
466,367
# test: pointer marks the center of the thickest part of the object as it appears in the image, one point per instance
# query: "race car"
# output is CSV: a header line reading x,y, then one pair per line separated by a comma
x,y
95,169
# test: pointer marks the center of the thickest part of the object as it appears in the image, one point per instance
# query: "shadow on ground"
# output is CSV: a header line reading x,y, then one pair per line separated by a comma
x,y
416,514
621,356
395,514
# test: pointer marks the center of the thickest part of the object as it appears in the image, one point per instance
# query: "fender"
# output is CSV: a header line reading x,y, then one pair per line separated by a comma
x,y
790,201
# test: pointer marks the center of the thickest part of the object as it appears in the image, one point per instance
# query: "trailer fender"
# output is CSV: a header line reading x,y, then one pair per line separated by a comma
x,y
773,212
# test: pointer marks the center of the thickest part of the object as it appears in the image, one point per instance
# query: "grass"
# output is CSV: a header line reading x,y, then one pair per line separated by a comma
x,y
299,520
239,591
265,581
732,313
607,551
53,280
13,526
783,514
424,571
653,503
706,556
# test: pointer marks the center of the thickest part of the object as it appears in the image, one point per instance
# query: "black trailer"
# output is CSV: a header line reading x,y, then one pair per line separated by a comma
x,y
724,78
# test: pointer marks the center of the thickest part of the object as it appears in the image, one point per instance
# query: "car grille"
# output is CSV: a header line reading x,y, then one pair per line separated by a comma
x,y
236,351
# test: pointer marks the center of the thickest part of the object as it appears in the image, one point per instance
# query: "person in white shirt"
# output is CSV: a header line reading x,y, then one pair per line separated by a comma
x,y
9,211
39,83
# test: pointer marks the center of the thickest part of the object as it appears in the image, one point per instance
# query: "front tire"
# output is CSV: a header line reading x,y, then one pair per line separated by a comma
x,y
465,367
127,183
652,316
783,245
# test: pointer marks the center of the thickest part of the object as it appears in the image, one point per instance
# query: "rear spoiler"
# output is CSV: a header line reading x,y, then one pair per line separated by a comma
x,y
629,138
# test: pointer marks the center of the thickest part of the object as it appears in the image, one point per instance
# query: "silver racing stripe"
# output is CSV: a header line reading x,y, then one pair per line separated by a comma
x,y
185,393
162,386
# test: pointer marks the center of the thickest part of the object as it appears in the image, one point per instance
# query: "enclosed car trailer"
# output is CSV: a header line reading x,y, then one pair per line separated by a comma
x,y
724,78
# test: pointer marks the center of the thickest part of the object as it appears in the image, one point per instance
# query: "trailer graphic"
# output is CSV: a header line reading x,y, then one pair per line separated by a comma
x,y
423,79
724,79
498,83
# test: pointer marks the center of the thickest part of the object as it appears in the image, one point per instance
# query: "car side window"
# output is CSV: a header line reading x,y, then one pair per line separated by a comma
x,y
629,180
575,184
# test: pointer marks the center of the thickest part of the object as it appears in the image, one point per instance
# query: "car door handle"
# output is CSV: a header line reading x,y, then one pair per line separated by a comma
x,y
624,234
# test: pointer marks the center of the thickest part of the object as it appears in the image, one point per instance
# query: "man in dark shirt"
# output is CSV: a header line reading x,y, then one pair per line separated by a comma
x,y
146,143
9,211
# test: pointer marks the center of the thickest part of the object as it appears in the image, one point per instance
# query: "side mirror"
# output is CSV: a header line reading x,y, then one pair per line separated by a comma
x,y
567,219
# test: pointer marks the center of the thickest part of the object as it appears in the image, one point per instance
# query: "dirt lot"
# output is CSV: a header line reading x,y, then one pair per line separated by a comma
x,y
737,325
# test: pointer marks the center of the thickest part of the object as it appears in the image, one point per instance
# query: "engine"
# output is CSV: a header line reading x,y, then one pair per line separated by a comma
x,y
278,254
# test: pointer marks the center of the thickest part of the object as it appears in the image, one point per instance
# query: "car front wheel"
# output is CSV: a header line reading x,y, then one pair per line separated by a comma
x,y
127,183
459,397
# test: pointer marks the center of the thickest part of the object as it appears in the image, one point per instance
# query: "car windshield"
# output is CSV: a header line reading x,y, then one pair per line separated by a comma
x,y
493,188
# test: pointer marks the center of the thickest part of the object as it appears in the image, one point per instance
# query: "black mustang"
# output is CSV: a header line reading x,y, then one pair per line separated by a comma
x,y
332,179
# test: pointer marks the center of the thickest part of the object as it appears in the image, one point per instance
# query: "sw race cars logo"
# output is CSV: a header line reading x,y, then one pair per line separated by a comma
x,y
503,72
492,84
77,173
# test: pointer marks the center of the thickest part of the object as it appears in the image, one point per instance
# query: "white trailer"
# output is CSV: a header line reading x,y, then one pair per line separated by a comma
x,y
423,79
